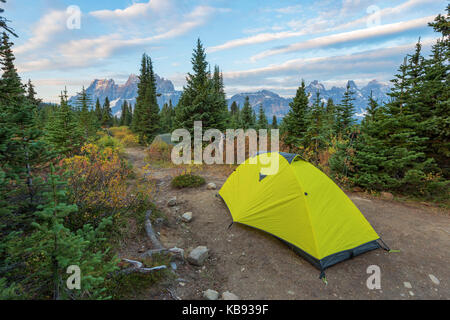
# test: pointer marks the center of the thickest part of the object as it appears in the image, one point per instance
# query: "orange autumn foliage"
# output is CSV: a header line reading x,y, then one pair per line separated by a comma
x,y
98,180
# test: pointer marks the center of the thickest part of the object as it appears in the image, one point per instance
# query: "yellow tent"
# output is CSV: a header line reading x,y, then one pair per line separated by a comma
x,y
301,206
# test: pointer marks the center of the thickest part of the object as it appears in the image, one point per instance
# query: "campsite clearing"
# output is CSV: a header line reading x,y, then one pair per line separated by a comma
x,y
255,265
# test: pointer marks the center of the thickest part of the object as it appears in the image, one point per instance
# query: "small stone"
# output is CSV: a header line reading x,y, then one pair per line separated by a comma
x,y
177,250
407,285
187,217
172,202
434,279
182,284
211,186
411,293
198,255
211,294
291,292
229,296
387,195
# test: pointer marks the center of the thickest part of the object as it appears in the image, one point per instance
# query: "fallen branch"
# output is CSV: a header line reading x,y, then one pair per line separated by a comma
x,y
150,233
172,294
139,267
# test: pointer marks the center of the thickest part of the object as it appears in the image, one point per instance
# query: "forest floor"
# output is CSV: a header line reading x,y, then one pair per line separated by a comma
x,y
255,265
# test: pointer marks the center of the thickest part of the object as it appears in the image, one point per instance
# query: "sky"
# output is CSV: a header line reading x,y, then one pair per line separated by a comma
x,y
257,44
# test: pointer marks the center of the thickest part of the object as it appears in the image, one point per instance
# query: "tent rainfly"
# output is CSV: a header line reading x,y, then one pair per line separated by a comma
x,y
301,206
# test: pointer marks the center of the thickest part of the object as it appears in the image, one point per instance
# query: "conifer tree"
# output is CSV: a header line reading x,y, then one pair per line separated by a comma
x,y
129,117
124,114
31,94
98,111
142,87
56,247
62,130
234,115
200,100
167,117
330,115
85,116
294,124
274,122
246,115
148,127
316,134
107,117
372,108
10,84
262,119
345,111
146,113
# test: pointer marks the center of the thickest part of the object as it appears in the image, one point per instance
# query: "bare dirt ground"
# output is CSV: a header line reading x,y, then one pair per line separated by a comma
x,y
255,265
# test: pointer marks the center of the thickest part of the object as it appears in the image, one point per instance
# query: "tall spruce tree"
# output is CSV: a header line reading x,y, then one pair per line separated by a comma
x,y
345,111
10,84
62,131
234,115
98,111
123,114
274,122
142,87
167,117
295,123
149,118
86,118
201,100
316,135
246,115
107,117
262,122
146,113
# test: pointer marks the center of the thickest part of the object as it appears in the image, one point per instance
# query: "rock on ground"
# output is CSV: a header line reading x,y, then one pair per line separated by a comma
x,y
387,195
172,202
210,294
434,279
198,255
211,186
187,217
177,250
227,295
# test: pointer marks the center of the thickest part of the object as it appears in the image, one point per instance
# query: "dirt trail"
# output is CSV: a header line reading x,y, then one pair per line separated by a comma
x,y
255,265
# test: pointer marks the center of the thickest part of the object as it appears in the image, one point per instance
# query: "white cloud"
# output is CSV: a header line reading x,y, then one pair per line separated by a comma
x,y
323,23
355,35
259,38
135,10
50,24
88,51
369,60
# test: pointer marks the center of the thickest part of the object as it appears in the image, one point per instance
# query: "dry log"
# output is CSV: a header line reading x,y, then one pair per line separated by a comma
x,y
150,232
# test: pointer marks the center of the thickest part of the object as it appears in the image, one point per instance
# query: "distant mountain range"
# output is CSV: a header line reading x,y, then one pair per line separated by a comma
x,y
273,104
117,94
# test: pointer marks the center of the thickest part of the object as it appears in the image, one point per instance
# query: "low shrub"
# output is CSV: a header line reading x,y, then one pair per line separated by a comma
x,y
110,142
159,151
187,181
